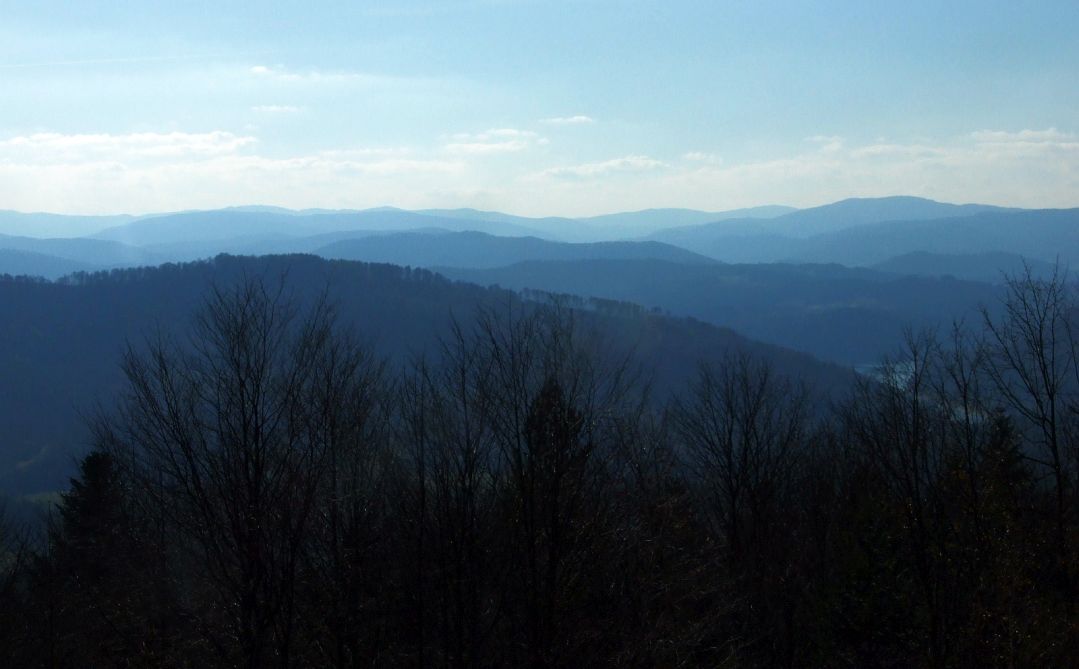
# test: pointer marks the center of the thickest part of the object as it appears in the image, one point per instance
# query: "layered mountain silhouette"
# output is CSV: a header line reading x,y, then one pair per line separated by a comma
x,y
808,302
476,249
861,232
858,235
29,263
851,316
56,225
82,251
230,224
849,213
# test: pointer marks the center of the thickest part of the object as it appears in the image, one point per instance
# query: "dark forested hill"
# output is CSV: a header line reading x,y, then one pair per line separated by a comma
x,y
60,342
852,316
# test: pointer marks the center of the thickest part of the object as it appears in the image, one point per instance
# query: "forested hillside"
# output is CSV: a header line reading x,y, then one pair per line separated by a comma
x,y
850,316
60,343
267,490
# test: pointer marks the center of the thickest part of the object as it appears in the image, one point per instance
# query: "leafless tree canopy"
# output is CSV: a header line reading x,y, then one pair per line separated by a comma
x,y
271,493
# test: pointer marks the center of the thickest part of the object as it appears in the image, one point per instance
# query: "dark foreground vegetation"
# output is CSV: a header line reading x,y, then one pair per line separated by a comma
x,y
270,493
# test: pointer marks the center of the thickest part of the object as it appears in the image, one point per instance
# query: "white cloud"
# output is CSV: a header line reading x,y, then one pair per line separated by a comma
x,y
824,139
1032,168
494,133
281,74
102,186
885,150
826,142
482,148
365,152
506,132
579,119
1026,168
398,166
626,164
493,141
43,148
277,109
139,172
142,172
1049,135
702,157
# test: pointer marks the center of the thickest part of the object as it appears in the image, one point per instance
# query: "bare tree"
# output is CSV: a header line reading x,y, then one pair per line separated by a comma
x,y
894,425
1032,356
348,414
451,492
508,434
226,442
741,428
554,398
741,431
14,552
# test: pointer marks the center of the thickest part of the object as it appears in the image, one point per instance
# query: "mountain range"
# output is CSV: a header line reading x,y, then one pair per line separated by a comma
x,y
816,291
854,232
870,232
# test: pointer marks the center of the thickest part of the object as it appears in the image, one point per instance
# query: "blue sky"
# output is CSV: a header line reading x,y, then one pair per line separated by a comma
x,y
562,108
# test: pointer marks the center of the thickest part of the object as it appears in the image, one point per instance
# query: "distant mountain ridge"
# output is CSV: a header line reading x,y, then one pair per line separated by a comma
x,y
96,252
852,232
1041,234
480,250
858,239
41,224
841,215
229,224
590,228
621,225
29,263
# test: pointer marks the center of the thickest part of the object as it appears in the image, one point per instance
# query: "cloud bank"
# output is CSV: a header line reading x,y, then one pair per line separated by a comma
x,y
496,140
580,119
505,168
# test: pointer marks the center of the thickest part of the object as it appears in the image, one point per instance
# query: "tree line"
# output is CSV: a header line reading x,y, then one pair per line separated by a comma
x,y
272,493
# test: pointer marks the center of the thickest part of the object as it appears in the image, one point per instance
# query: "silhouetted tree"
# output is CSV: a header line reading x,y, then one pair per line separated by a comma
x,y
14,555
1031,350
743,431
268,492
226,446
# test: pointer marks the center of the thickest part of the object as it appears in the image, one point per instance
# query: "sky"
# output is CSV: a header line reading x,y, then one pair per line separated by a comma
x,y
553,107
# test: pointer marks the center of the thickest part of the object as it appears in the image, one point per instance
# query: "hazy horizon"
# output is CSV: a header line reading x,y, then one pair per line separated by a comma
x,y
239,206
